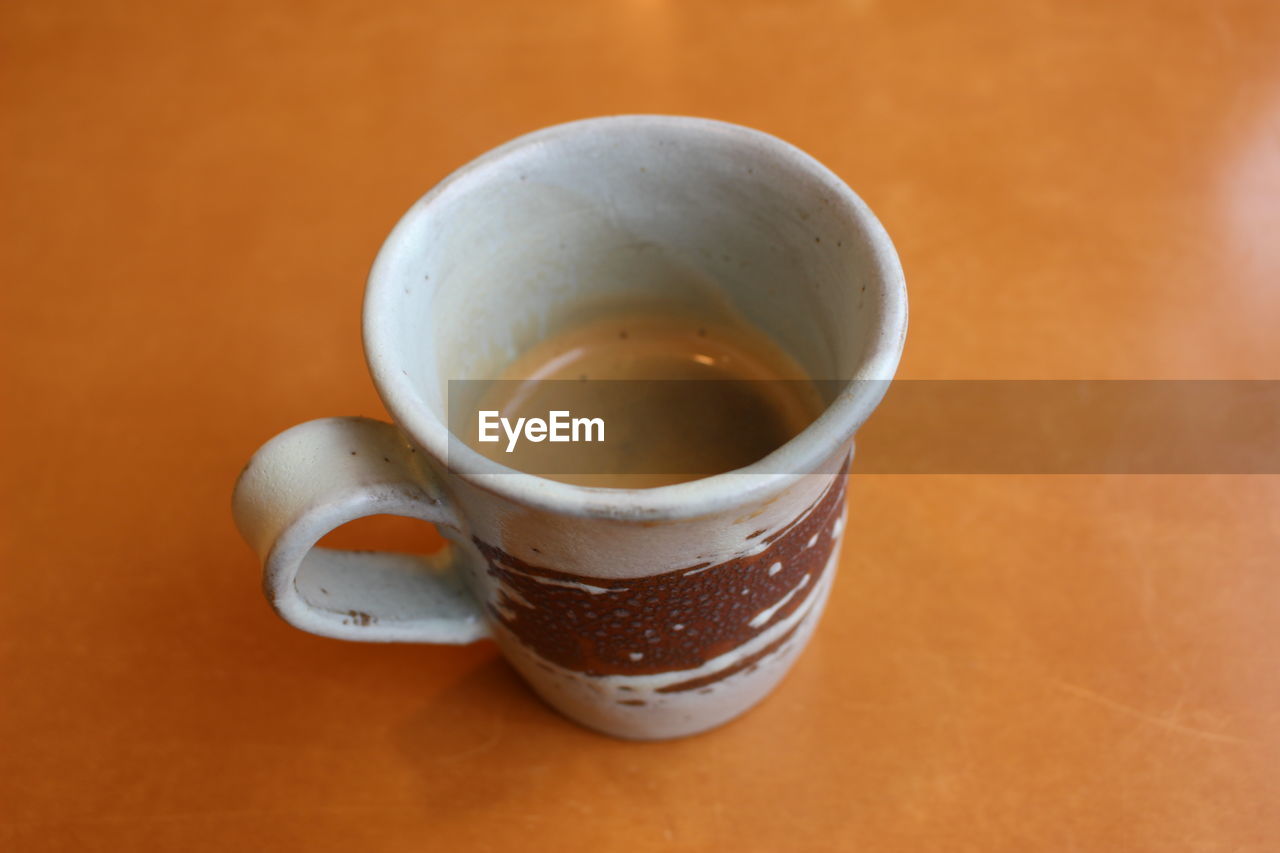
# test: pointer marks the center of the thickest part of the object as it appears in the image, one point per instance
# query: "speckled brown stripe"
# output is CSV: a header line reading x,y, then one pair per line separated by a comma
x,y
750,660
673,621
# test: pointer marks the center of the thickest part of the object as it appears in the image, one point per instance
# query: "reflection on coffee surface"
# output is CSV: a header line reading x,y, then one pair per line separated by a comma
x,y
643,400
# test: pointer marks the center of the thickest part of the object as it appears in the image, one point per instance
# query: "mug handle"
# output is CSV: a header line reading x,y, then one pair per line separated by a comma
x,y
321,474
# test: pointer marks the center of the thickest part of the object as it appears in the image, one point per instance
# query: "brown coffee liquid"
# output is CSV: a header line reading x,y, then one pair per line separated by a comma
x,y
658,433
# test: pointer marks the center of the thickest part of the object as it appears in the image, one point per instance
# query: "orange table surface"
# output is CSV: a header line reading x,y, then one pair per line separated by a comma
x,y
191,196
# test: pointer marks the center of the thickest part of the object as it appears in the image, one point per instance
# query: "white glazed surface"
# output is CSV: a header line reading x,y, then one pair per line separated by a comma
x,y
580,218
321,474
447,299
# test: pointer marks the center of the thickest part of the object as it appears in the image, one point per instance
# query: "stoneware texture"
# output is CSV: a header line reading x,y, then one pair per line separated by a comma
x,y
641,613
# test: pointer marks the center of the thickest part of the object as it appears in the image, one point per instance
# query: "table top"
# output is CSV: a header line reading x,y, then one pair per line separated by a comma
x,y
191,197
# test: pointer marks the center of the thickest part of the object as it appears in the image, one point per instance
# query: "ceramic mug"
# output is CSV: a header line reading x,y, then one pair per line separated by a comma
x,y
645,613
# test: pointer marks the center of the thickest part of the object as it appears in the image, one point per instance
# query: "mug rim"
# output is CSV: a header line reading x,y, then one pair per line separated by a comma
x,y
801,456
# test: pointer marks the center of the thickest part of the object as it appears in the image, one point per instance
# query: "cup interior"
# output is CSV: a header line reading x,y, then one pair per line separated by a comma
x,y
632,213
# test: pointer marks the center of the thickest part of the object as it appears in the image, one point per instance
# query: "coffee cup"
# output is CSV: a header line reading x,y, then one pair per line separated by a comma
x,y
642,613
